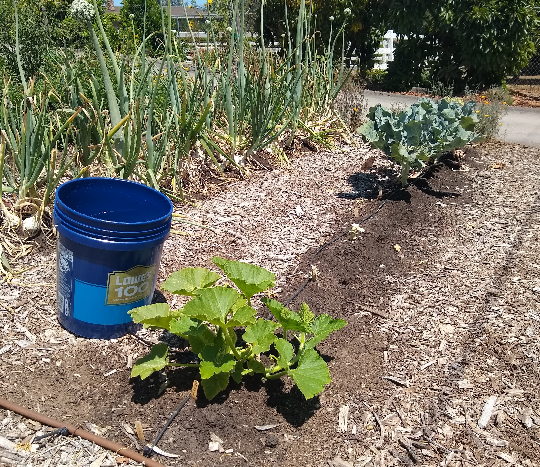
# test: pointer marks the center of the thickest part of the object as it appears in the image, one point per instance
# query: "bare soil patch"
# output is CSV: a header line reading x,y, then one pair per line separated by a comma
x,y
441,292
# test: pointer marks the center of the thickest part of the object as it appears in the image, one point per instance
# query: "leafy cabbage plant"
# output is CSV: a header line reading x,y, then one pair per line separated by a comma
x,y
422,133
211,318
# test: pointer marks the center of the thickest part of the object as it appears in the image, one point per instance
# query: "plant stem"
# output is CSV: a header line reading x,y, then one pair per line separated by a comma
x,y
18,50
187,365
276,375
230,343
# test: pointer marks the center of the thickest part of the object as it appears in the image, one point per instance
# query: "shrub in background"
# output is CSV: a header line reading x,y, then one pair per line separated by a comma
x,y
493,105
34,37
460,42
143,18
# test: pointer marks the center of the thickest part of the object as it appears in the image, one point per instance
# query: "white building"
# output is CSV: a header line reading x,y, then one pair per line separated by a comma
x,y
385,53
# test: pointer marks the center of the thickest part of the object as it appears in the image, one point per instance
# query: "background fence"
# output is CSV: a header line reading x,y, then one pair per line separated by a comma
x,y
531,73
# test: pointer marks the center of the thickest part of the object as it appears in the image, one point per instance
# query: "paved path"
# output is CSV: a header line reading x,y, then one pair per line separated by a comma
x,y
519,124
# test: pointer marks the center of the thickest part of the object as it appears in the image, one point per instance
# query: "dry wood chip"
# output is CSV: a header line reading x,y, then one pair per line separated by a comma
x,y
506,457
215,438
411,451
487,412
139,430
526,417
9,458
99,460
397,381
266,427
447,431
446,328
428,453
343,418
339,462
391,420
128,428
428,364
464,384
449,458
499,443
501,417
7,444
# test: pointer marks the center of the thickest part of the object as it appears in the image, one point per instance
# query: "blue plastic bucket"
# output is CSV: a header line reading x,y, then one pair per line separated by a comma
x,y
111,233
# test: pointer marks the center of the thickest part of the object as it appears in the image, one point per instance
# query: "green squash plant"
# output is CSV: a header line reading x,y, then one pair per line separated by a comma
x,y
422,133
216,314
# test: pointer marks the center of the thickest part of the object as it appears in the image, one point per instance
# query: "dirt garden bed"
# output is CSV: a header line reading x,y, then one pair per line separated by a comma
x,y
441,293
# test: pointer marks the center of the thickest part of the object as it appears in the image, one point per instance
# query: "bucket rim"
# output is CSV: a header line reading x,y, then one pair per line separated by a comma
x,y
62,206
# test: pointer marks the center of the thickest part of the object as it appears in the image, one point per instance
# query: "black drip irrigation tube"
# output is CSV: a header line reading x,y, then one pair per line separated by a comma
x,y
149,449
335,239
65,429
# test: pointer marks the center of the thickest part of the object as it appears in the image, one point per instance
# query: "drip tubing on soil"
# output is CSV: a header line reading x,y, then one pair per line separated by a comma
x,y
424,174
335,239
147,451
75,431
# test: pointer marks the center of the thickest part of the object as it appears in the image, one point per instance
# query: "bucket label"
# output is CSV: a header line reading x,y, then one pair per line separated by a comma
x,y
65,282
130,286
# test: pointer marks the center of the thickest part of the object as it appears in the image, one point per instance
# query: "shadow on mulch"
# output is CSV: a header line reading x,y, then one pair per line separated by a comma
x,y
367,185
373,185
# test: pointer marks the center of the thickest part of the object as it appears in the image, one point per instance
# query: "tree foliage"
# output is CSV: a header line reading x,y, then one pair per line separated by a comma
x,y
364,26
460,42
34,36
143,18
63,29
43,26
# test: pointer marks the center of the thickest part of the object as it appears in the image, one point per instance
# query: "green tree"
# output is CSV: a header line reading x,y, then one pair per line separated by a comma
x,y
364,25
460,42
143,17
34,36
63,29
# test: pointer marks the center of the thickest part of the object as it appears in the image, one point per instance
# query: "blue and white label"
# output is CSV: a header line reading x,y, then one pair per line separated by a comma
x,y
65,280
89,306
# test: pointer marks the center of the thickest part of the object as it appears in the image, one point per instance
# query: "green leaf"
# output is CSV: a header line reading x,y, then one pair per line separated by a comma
x,y
286,352
211,305
287,318
195,331
188,280
158,315
256,366
321,327
242,317
311,374
250,279
215,384
367,130
260,335
414,133
449,115
216,358
237,373
156,360
469,122
400,153
225,364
